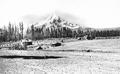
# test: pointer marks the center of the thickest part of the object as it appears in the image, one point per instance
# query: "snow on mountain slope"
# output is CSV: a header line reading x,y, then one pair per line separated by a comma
x,y
56,21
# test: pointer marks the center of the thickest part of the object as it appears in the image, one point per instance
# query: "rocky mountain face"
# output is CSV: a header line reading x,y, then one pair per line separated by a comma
x,y
56,22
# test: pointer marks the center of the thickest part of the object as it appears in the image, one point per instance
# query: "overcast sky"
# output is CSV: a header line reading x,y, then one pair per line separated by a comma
x,y
92,13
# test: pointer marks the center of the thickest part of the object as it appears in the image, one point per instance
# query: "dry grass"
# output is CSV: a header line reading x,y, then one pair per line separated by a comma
x,y
79,57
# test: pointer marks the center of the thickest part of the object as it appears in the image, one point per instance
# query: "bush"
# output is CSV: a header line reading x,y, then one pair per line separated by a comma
x,y
18,47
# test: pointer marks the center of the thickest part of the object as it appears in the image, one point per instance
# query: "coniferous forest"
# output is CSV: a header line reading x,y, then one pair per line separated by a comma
x,y
55,30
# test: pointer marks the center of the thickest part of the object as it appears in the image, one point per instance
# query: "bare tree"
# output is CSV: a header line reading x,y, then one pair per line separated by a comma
x,y
32,29
21,29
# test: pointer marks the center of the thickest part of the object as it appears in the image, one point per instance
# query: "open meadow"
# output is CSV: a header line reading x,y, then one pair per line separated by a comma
x,y
74,57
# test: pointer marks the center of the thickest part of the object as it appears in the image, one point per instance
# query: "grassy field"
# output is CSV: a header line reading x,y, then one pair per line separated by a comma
x,y
76,57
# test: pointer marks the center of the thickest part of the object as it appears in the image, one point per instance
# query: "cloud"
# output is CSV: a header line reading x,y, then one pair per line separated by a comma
x,y
31,18
71,18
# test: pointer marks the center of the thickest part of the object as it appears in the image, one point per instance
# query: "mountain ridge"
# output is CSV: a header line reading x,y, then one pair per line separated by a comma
x,y
56,20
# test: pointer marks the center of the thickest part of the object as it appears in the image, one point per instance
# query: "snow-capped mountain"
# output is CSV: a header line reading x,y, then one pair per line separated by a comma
x,y
56,21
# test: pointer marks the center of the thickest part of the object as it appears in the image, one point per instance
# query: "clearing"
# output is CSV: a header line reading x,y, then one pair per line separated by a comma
x,y
78,57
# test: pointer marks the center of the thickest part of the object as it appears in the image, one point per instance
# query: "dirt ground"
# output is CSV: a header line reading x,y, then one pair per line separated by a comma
x,y
78,57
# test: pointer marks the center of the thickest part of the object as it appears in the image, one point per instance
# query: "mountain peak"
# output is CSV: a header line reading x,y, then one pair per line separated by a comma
x,y
57,21
53,17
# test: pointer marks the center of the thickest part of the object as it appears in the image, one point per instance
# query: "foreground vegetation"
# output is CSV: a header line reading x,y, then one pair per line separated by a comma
x,y
78,57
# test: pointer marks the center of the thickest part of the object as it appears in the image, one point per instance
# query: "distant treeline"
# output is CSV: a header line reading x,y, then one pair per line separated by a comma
x,y
11,33
63,32
14,33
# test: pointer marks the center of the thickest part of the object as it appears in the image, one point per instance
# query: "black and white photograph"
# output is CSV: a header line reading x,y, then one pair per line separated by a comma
x,y
59,36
